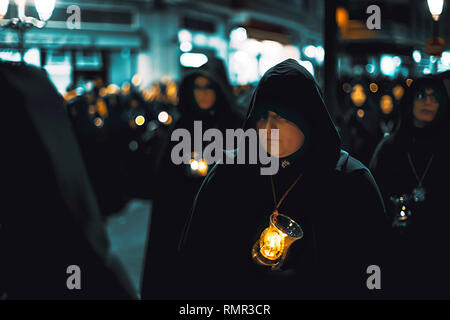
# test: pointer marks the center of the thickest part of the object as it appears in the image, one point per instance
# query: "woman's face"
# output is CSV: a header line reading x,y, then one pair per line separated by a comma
x,y
425,107
290,137
204,94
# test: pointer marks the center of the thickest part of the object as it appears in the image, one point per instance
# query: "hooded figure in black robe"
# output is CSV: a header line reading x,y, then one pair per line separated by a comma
x,y
418,152
174,188
336,202
51,219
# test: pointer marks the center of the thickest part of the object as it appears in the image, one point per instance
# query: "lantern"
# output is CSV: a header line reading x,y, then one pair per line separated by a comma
x,y
273,245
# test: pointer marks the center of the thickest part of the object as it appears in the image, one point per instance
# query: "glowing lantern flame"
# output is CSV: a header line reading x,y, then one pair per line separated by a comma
x,y
199,167
140,120
163,116
273,244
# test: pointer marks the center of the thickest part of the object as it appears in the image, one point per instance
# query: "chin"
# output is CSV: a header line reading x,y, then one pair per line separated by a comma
x,y
426,120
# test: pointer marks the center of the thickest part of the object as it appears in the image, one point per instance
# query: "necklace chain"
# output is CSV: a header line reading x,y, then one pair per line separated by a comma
x,y
277,205
414,169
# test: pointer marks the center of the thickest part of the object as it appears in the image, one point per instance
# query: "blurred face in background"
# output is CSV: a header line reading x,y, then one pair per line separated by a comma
x,y
425,107
204,94
290,137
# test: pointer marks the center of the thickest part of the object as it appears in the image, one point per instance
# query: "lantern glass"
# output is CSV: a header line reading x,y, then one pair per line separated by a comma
x,y
273,245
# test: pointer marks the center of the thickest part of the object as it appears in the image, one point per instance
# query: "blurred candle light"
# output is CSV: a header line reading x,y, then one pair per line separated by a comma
x,y
358,95
386,104
360,113
163,116
194,165
409,82
136,80
140,120
112,89
373,87
202,167
398,92
342,17
98,122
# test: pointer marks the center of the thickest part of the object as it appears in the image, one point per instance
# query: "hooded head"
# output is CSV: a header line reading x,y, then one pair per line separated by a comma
x,y
424,109
289,93
206,92
445,77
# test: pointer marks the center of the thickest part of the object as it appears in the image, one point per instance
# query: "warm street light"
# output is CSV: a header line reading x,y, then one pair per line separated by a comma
x,y
435,7
22,23
435,45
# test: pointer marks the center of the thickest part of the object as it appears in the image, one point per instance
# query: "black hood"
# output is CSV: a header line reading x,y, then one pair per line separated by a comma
x,y
291,91
439,127
214,70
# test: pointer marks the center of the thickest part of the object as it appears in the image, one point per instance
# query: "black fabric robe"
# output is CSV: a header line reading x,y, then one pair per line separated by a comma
x,y
336,202
173,189
50,217
418,251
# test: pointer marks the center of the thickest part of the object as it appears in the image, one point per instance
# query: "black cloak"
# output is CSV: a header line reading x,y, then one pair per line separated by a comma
x,y
418,249
336,202
52,219
173,189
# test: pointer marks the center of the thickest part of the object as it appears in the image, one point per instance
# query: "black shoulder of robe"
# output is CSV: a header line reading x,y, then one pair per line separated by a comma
x,y
344,213
53,220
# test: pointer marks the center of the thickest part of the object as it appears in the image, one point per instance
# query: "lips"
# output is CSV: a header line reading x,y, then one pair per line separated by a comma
x,y
428,112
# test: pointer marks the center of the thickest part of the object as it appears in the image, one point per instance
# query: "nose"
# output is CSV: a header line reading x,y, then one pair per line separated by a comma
x,y
428,99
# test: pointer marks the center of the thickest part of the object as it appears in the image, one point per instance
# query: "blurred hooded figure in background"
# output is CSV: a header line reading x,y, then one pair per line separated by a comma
x,y
445,77
361,121
53,219
205,95
330,194
411,168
